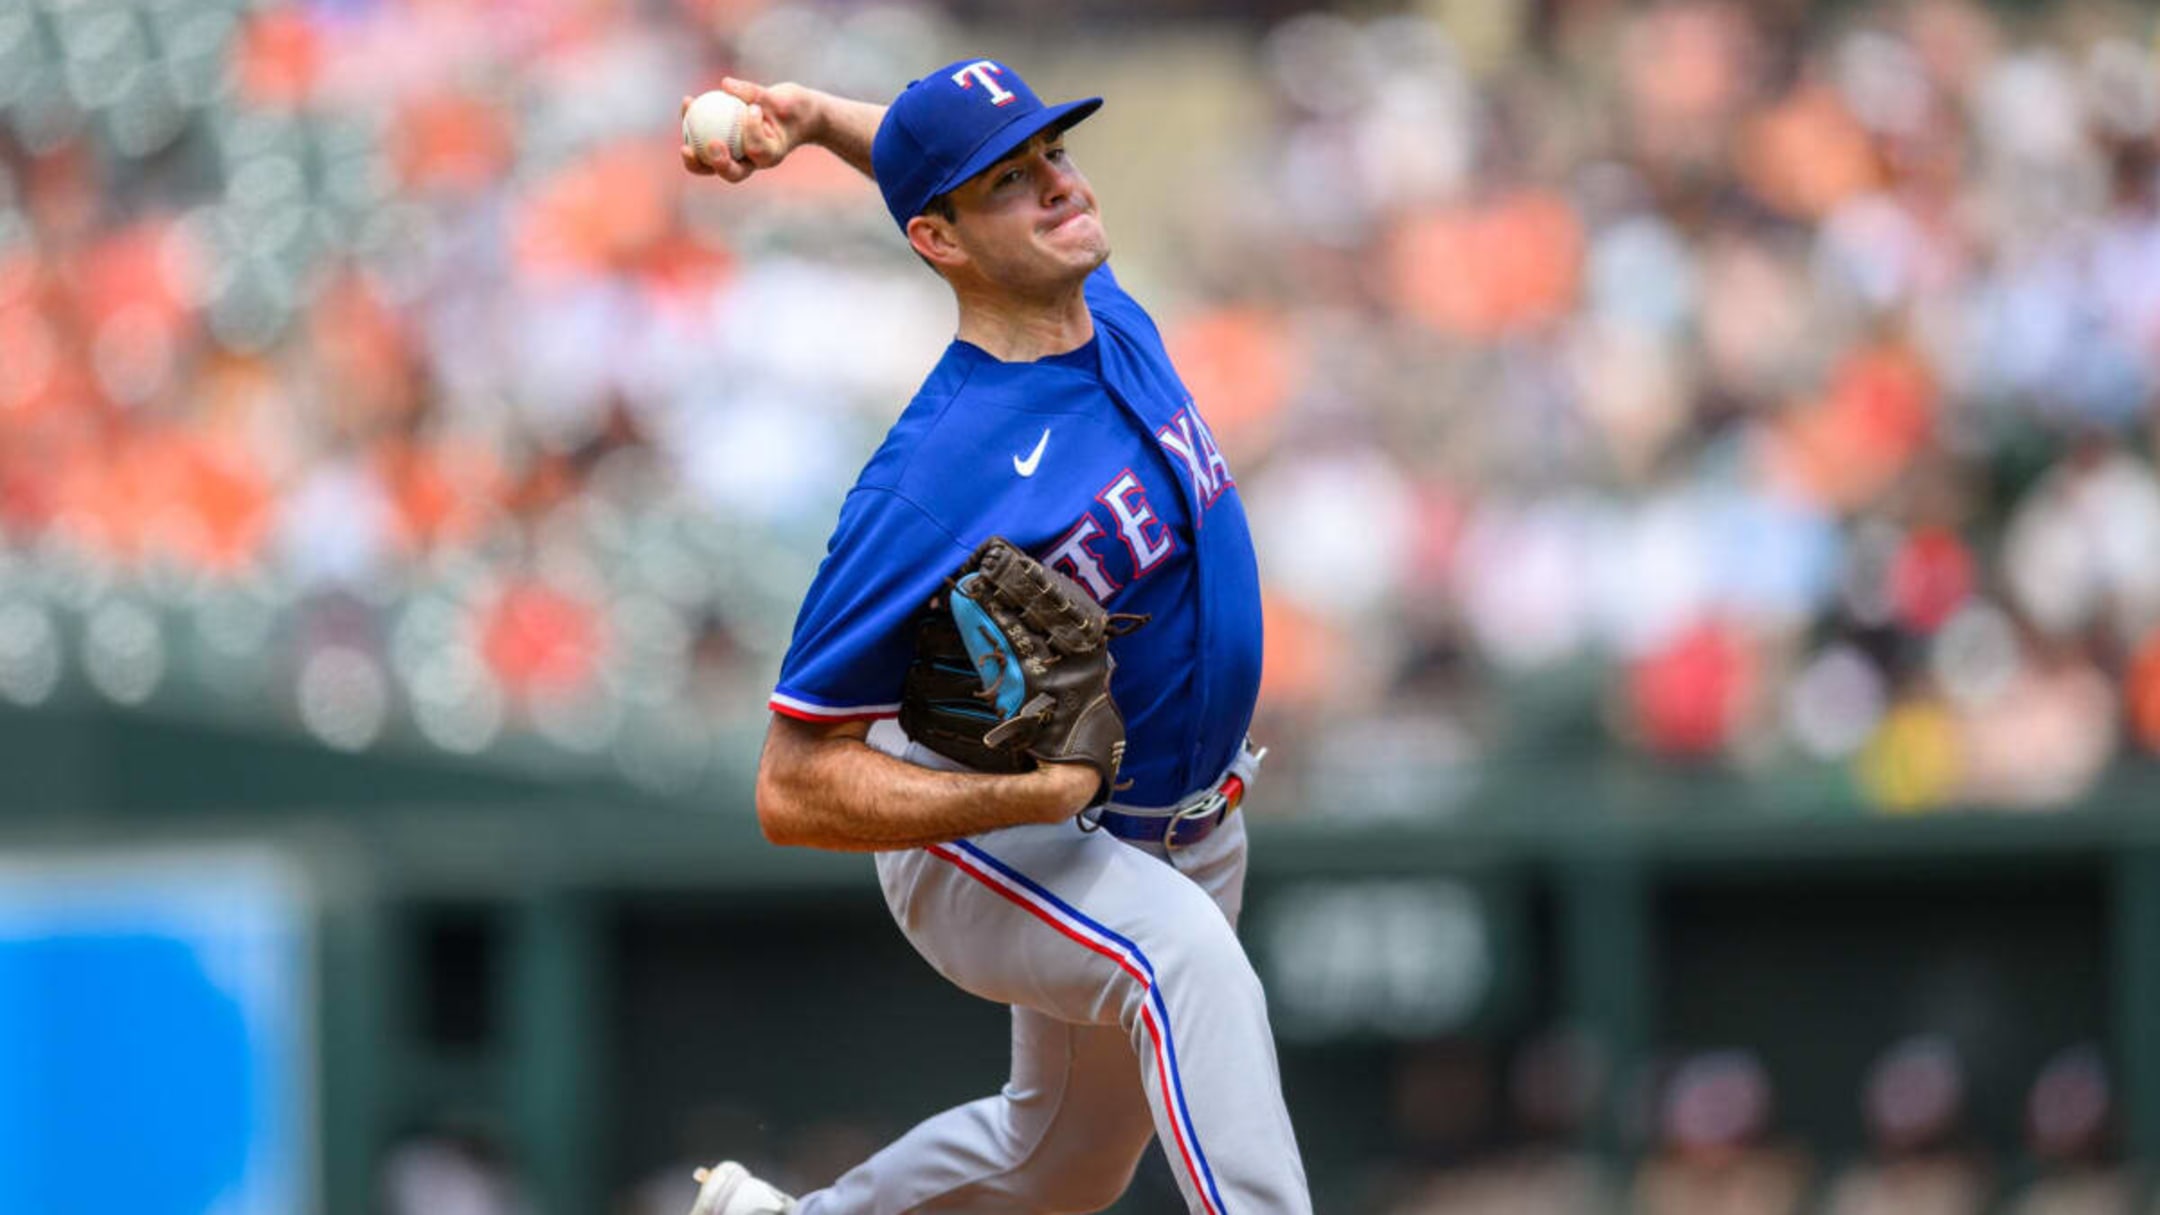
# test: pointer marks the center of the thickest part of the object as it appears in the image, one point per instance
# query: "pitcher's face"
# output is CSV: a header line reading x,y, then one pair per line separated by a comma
x,y
1029,223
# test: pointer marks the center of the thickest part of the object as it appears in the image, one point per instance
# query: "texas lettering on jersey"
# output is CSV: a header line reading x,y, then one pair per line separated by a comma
x,y
1131,519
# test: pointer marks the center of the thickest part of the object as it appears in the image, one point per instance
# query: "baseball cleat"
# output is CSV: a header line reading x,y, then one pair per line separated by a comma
x,y
729,1189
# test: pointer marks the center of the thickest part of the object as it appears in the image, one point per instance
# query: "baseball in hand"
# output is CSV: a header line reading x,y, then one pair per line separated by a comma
x,y
714,117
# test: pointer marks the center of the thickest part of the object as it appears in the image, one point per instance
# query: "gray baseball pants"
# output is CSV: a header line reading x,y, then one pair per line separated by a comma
x,y
1135,1016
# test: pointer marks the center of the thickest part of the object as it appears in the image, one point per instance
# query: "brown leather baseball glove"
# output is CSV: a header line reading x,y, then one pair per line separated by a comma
x,y
1012,667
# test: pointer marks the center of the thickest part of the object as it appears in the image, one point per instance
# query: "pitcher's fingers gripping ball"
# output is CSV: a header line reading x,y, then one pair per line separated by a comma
x,y
714,121
1013,666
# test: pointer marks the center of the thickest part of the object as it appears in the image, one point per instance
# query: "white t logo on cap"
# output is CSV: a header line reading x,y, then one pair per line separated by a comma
x,y
985,73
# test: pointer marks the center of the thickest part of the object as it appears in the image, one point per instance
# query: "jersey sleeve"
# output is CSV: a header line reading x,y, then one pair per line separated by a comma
x,y
1109,298
1102,284
853,641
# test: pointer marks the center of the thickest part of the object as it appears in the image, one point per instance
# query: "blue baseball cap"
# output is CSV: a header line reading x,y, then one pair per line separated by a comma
x,y
954,123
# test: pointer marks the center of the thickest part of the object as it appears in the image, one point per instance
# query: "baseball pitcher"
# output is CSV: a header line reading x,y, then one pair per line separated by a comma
x,y
1023,677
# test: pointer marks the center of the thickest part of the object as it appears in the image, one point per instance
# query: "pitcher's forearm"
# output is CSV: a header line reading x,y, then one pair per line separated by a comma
x,y
842,794
845,128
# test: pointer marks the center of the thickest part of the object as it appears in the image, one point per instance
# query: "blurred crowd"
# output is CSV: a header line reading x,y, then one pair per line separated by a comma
x,y
1793,382
1479,1130
1712,1143
1789,374
1753,386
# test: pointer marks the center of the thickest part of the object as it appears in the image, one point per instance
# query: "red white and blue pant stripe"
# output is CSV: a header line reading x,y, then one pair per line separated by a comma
x,y
1033,898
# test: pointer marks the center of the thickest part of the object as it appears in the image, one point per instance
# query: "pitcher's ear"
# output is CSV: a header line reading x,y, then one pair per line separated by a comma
x,y
933,240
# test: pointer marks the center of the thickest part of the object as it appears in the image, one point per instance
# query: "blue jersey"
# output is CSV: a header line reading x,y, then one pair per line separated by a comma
x,y
1097,463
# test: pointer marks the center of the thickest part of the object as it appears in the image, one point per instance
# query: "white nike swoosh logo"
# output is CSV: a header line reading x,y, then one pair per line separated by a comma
x,y
1026,468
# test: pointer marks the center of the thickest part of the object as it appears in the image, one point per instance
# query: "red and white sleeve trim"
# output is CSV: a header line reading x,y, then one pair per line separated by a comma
x,y
804,710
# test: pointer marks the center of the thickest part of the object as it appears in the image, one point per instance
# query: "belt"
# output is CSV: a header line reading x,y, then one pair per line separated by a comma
x,y
1191,820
